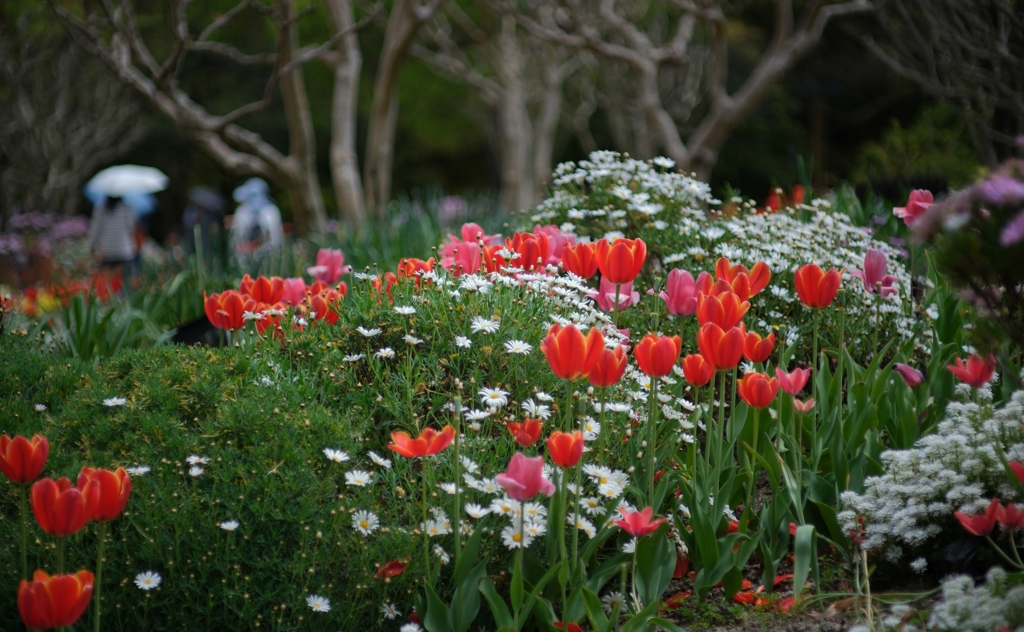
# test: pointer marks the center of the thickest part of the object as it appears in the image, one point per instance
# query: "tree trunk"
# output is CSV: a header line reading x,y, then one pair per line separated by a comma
x,y
307,203
547,126
517,186
348,187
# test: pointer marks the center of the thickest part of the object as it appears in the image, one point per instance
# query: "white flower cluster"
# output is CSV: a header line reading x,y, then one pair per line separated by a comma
x,y
956,469
991,606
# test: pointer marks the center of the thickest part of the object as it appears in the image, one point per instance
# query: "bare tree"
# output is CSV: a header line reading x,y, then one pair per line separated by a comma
x,y
347,62
64,117
404,22
650,36
968,53
518,76
110,30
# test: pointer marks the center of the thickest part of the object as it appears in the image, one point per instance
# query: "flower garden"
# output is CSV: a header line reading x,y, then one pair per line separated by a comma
x,y
646,408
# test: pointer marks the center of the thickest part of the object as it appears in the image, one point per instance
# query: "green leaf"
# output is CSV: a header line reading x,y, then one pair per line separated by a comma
x,y
498,608
436,617
805,551
466,601
595,611
655,561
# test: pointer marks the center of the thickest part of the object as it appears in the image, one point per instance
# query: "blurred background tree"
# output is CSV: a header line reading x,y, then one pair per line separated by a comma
x,y
480,101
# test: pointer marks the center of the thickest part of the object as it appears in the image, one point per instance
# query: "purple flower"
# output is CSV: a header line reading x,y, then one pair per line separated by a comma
x,y
1001,190
879,219
1013,232
909,374
876,281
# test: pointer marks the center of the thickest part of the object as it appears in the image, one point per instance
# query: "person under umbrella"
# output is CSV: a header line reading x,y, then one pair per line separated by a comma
x,y
112,233
257,220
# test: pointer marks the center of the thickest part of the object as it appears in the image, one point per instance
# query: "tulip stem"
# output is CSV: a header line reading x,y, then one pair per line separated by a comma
x,y
458,479
878,316
568,405
619,607
842,349
426,534
1003,554
102,528
60,555
814,369
24,533
604,430
652,435
753,464
1013,547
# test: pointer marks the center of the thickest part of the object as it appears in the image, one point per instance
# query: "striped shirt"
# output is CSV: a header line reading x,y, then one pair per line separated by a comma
x,y
112,232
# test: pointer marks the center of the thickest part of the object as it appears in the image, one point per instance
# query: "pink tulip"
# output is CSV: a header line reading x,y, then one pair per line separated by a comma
x,y
294,291
794,381
471,233
910,375
639,523
874,277
330,265
681,291
917,204
524,478
557,241
464,258
605,297
804,406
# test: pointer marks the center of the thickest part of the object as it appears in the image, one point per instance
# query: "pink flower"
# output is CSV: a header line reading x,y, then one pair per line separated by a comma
x,y
464,258
681,291
605,297
910,375
330,265
874,277
524,478
471,233
557,241
638,523
977,372
917,204
804,406
294,291
794,381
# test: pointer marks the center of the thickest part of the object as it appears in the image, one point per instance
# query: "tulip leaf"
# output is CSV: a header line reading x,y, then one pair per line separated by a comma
x,y
466,601
804,556
498,608
595,611
655,561
436,617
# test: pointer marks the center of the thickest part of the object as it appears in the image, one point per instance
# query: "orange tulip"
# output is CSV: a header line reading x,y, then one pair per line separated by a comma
x,y
115,487
609,368
531,248
757,389
725,310
379,284
622,260
656,355
429,442
723,348
61,509
756,348
697,370
225,310
580,259
816,289
526,433
571,355
22,460
263,290
54,601
324,306
565,449
745,283
414,268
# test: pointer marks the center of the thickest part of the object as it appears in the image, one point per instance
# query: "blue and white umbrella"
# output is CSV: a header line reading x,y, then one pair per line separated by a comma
x,y
134,183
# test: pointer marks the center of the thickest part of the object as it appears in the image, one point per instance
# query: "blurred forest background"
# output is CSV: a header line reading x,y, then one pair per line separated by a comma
x,y
479,97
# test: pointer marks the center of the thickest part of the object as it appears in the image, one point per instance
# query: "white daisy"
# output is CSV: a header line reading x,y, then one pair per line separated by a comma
x,y
611,602
477,415
438,527
513,539
535,410
479,324
544,397
390,611
504,506
592,505
358,478
410,627
195,471
195,459
629,547
582,524
318,603
476,511
111,402
442,554
379,460
405,310
148,580
493,398
138,470
365,522
228,525
412,340
469,464
463,342
369,333
352,357
518,346
338,456
591,429
448,488
535,512
385,353
40,408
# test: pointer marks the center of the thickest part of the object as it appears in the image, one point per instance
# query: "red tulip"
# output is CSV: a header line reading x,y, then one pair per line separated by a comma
x,y
977,372
816,289
54,601
61,509
981,524
526,433
414,268
621,261
697,370
225,310
917,204
1010,517
379,284
393,568
656,355
756,348
794,381
22,460
722,348
263,290
115,487
757,389
531,248
745,283
580,259
570,627
725,310
610,367
565,449
429,442
324,306
571,355
638,523
1018,469
911,376
524,478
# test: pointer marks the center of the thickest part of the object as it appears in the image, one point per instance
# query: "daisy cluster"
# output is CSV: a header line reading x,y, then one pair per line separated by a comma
x,y
956,469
